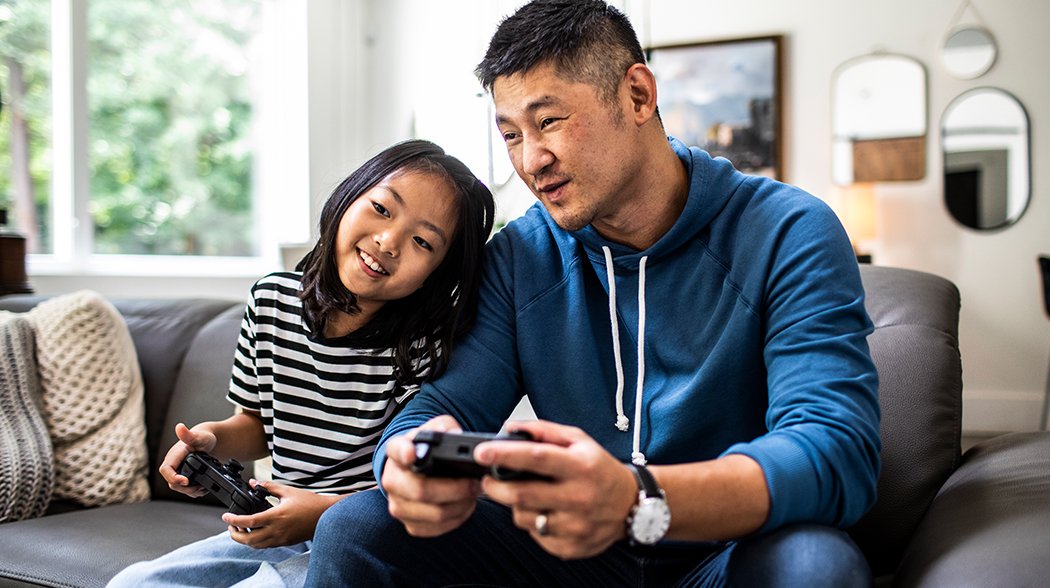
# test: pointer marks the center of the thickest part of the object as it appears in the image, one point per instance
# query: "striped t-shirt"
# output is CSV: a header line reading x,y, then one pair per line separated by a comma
x,y
324,403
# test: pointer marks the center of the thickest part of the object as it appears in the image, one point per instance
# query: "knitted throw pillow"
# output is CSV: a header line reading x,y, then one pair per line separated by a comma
x,y
26,472
92,400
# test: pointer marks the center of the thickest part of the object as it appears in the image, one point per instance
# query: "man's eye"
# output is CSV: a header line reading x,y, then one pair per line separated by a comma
x,y
547,121
509,136
380,209
423,243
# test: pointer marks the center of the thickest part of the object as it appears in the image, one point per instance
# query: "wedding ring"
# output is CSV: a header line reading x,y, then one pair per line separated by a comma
x,y
541,525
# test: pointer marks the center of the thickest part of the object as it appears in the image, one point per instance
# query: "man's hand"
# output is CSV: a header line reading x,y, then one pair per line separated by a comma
x,y
189,440
588,501
428,507
292,521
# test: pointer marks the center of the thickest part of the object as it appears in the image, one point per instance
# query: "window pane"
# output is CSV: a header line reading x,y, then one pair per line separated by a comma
x,y
25,120
171,114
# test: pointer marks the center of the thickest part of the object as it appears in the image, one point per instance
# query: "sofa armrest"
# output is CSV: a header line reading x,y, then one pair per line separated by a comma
x,y
990,523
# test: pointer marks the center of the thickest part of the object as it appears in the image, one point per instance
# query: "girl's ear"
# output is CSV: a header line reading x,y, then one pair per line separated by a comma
x,y
641,90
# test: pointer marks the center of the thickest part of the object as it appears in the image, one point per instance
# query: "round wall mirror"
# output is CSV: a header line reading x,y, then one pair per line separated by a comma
x,y
969,52
878,122
987,165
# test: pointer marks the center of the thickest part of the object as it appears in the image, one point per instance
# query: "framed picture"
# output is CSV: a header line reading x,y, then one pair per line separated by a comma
x,y
724,96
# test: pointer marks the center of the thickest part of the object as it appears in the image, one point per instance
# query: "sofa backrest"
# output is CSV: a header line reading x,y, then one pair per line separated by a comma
x,y
915,347
199,391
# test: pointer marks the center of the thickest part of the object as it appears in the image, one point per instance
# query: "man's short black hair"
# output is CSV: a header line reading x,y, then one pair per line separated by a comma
x,y
586,41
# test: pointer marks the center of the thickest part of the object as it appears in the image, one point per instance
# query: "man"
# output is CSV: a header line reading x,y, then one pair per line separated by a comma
x,y
733,305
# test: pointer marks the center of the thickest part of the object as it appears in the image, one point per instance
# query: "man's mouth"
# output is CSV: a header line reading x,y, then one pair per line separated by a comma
x,y
551,189
372,263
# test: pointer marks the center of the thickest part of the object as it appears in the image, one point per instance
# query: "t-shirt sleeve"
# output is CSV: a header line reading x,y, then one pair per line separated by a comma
x,y
244,382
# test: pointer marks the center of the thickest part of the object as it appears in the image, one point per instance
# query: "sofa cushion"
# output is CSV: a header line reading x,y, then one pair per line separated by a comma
x,y
915,348
988,526
200,388
92,400
86,548
26,458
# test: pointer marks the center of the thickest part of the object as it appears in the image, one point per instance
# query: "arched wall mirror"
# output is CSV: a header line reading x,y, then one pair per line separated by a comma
x,y
969,52
987,165
878,120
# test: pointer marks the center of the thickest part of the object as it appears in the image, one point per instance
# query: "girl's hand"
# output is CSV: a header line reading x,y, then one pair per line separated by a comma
x,y
292,521
189,440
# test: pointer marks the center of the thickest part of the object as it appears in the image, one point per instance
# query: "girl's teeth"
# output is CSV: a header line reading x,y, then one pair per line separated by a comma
x,y
372,263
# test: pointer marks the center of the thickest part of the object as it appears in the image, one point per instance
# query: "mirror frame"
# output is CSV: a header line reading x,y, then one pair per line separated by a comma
x,y
976,73
1027,135
912,149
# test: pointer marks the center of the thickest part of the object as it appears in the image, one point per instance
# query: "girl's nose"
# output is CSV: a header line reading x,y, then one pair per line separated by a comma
x,y
387,243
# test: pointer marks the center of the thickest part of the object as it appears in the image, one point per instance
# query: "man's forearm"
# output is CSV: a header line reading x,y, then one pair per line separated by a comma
x,y
715,500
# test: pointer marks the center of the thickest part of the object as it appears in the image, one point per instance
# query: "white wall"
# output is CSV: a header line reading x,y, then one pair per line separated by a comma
x,y
1005,335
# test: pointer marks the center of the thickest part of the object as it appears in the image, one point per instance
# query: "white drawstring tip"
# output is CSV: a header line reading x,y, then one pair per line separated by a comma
x,y
622,423
638,458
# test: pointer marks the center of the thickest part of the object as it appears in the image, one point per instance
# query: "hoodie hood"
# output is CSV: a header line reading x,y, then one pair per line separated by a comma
x,y
712,182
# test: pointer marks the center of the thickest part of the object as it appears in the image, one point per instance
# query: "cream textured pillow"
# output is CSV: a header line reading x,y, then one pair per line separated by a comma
x,y
92,400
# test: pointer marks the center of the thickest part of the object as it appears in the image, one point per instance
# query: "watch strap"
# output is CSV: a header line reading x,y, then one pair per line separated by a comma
x,y
646,481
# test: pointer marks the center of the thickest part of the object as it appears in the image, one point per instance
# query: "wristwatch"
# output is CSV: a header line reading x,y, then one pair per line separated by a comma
x,y
650,517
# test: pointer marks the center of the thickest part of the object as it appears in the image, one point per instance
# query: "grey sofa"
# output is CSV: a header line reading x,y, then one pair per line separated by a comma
x,y
942,519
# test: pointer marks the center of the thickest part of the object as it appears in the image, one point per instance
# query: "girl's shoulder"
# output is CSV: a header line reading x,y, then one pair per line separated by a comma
x,y
277,282
283,287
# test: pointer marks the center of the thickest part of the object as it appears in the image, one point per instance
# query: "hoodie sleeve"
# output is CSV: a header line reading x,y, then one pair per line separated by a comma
x,y
821,453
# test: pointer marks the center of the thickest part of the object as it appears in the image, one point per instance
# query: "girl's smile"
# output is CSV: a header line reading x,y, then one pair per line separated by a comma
x,y
371,265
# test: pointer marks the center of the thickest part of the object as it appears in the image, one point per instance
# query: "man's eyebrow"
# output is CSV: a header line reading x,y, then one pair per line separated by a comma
x,y
533,106
401,202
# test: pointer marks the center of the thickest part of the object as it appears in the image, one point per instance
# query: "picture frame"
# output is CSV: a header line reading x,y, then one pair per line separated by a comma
x,y
725,97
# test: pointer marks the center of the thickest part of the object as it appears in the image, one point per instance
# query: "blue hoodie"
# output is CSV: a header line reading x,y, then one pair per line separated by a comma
x,y
754,342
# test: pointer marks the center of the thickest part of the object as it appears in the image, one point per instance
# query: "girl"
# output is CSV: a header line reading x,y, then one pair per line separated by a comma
x,y
329,353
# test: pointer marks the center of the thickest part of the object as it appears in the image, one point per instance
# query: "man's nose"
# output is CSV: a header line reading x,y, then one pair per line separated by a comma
x,y
535,157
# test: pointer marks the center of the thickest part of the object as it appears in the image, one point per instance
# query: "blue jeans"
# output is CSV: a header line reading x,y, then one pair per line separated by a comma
x,y
357,543
220,561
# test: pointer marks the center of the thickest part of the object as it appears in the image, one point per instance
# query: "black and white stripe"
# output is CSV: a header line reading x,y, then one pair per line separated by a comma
x,y
324,403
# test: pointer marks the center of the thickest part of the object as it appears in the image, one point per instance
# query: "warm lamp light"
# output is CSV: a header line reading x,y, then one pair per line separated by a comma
x,y
859,216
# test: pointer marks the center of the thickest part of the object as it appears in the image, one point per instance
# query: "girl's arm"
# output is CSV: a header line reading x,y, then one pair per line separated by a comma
x,y
239,437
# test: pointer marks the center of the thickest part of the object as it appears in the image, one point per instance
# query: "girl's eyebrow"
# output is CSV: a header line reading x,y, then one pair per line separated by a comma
x,y
401,202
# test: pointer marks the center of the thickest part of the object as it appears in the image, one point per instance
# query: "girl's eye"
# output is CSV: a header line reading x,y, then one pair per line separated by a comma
x,y
380,209
423,243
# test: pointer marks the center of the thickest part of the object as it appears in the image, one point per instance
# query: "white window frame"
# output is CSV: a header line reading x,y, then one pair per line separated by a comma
x,y
281,171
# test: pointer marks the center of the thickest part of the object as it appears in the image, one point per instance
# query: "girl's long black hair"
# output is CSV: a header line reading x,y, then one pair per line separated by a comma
x,y
445,306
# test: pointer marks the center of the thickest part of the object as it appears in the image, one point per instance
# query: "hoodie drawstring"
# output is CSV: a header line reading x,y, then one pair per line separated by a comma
x,y
637,457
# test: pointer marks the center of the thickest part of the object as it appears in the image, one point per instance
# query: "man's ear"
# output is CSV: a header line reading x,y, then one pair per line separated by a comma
x,y
641,89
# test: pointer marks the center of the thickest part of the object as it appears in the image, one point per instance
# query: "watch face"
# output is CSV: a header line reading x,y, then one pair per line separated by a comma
x,y
650,521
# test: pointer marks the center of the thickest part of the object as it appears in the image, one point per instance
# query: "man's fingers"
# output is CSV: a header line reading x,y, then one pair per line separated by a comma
x,y
548,432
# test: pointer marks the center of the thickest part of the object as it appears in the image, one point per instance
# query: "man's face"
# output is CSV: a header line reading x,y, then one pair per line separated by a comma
x,y
576,151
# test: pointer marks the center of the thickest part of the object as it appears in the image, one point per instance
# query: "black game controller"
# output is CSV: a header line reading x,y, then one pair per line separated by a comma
x,y
451,455
225,483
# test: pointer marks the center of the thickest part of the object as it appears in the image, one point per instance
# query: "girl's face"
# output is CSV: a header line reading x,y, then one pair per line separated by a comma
x,y
393,236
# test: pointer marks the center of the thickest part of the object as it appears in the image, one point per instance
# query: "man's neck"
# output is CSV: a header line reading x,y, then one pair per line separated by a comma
x,y
657,201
